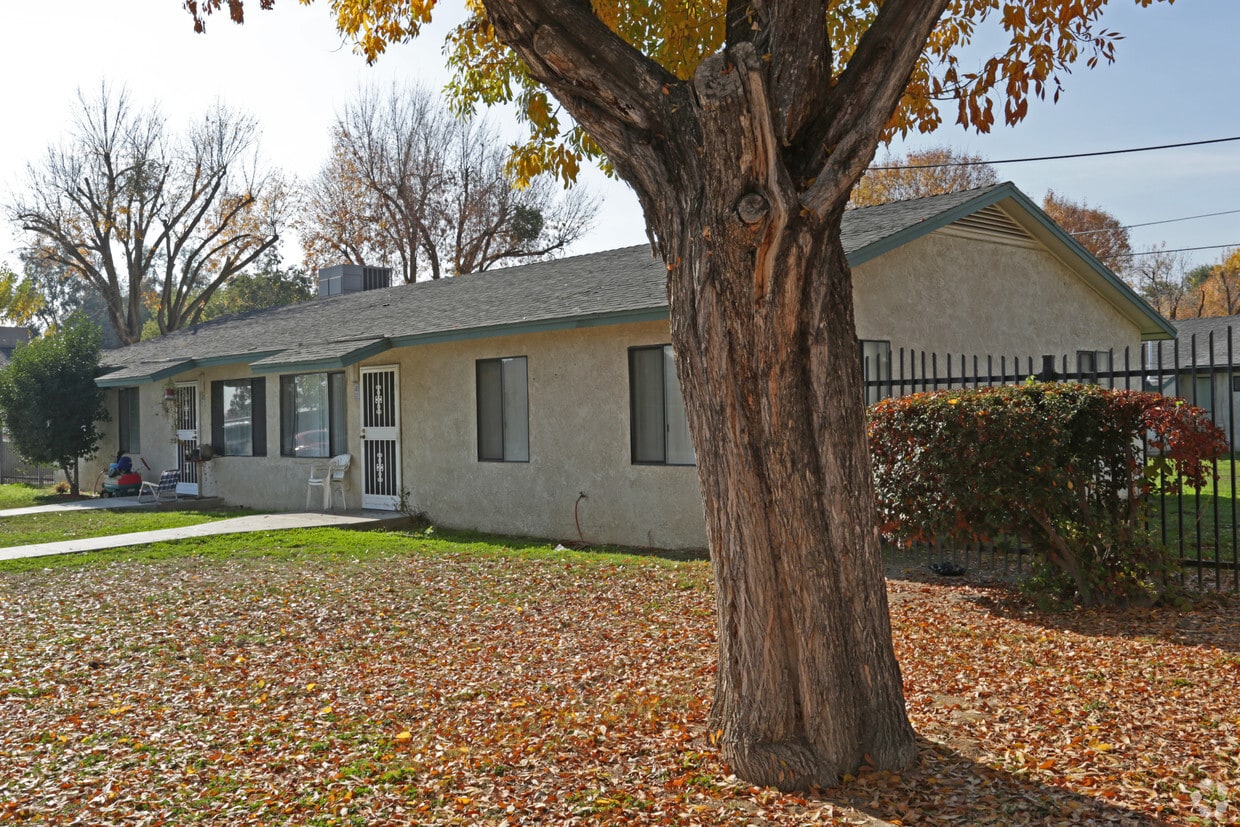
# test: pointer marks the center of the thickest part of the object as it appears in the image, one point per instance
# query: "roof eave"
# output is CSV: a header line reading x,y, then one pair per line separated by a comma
x,y
634,316
340,362
1149,321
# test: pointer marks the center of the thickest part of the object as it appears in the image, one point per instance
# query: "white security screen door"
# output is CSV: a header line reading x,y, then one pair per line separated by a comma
x,y
187,438
380,438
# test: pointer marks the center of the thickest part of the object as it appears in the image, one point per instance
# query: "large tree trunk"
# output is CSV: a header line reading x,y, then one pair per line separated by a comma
x,y
743,175
762,324
808,684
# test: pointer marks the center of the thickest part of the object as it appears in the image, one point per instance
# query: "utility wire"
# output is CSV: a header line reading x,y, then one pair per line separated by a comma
x,y
1177,250
1152,223
1059,157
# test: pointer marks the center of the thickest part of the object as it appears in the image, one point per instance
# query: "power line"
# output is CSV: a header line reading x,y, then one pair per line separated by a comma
x,y
1177,250
1059,157
1152,223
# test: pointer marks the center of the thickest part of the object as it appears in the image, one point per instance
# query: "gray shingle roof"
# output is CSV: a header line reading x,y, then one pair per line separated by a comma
x,y
624,284
1199,342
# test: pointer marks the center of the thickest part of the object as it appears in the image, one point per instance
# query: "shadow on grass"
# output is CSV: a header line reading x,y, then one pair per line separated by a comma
x,y
948,785
541,544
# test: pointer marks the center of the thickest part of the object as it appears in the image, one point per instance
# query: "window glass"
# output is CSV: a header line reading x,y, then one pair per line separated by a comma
x,y
238,404
1091,363
679,445
490,411
312,415
503,409
128,422
239,417
660,428
646,391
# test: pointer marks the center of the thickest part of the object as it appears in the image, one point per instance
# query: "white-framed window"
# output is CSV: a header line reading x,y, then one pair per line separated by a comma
x,y
659,429
128,422
312,415
503,410
239,417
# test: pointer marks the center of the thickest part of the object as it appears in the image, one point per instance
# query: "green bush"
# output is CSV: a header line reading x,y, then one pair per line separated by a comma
x,y
1058,466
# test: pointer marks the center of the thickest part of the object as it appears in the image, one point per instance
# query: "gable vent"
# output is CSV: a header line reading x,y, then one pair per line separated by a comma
x,y
994,224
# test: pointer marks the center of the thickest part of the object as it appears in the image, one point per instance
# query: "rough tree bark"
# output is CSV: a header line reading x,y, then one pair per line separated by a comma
x,y
743,174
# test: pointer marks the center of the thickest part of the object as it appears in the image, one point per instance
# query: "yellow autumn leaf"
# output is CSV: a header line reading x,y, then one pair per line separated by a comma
x,y
325,710
404,736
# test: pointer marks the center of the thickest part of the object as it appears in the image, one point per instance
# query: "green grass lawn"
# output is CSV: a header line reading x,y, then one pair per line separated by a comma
x,y
1202,525
21,495
55,527
330,677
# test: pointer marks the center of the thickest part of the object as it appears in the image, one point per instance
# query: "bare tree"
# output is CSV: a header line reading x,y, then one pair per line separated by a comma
x,y
1161,279
409,186
144,216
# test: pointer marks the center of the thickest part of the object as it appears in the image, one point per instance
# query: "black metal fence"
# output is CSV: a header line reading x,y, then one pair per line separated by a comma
x,y
14,468
1202,528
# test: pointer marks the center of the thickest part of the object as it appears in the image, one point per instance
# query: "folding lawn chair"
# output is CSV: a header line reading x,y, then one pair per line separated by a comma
x,y
164,491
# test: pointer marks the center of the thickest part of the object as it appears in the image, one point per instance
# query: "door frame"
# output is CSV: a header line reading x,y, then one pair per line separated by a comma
x,y
188,439
388,498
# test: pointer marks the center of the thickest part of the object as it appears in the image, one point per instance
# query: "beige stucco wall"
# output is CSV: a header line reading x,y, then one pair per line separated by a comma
x,y
266,482
154,439
579,443
946,293
578,432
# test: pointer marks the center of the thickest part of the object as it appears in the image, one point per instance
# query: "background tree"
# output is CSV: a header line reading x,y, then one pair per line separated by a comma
x,y
49,399
20,303
410,186
133,211
1219,285
1098,231
47,293
270,285
743,128
1162,279
920,173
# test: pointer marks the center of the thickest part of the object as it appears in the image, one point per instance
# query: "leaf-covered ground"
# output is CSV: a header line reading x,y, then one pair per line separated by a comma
x,y
392,679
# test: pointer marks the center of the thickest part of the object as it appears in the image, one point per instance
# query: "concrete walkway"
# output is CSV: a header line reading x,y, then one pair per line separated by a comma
x,y
234,525
75,505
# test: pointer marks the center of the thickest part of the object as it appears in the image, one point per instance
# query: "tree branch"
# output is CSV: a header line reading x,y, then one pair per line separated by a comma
x,y
866,96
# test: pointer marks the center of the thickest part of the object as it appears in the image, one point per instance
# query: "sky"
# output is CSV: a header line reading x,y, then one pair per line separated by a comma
x,y
1176,79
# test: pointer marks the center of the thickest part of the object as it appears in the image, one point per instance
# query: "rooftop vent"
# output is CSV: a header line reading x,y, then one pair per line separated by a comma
x,y
352,278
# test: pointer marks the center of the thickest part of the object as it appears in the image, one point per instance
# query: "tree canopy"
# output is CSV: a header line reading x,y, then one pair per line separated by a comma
x,y
1044,43
49,400
143,216
1097,230
411,187
921,173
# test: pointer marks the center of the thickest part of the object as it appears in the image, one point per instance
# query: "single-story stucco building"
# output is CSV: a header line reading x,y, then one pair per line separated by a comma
x,y
530,399
1203,366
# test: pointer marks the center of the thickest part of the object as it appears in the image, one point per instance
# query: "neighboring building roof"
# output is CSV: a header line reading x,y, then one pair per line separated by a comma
x,y
10,338
1200,343
626,285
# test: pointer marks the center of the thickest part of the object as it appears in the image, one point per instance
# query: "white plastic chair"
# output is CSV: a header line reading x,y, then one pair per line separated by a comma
x,y
329,474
